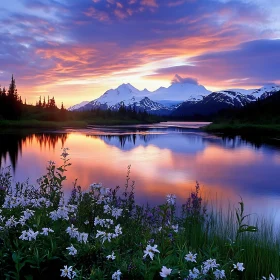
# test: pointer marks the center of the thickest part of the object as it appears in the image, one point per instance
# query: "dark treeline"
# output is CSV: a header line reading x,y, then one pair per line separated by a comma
x,y
12,108
123,113
10,102
265,111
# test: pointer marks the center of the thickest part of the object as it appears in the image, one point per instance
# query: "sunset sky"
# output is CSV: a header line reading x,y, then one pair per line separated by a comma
x,y
77,49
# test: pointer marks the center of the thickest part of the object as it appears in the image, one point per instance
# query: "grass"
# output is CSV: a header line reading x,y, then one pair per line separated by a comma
x,y
111,221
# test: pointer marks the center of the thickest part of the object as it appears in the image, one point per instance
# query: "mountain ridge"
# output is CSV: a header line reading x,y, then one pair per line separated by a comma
x,y
179,99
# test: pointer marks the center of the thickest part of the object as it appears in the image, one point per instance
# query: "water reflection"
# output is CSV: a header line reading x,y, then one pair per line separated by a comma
x,y
162,159
11,144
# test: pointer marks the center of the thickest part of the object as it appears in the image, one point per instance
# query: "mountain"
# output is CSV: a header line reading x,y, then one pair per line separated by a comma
x,y
213,103
162,101
180,92
129,96
181,99
264,111
222,100
265,91
78,106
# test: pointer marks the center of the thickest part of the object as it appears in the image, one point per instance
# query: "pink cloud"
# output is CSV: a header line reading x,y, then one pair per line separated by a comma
x,y
149,3
99,15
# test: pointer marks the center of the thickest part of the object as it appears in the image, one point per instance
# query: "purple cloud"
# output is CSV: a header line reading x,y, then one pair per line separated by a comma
x,y
179,80
252,63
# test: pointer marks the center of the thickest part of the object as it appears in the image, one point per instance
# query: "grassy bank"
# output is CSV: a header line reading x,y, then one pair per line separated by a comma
x,y
244,128
103,234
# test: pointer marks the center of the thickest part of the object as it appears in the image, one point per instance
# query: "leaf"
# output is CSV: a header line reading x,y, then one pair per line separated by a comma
x,y
15,257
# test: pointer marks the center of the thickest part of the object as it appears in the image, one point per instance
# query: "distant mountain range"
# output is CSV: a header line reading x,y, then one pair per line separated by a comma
x,y
180,99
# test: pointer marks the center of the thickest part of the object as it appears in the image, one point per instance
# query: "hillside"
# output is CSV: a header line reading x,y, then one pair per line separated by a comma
x,y
260,117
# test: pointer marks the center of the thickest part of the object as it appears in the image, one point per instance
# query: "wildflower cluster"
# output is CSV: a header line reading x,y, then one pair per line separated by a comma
x,y
101,234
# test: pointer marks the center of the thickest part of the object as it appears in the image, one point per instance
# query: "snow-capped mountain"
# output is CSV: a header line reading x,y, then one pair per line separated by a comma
x,y
78,106
180,92
181,98
265,91
129,96
213,103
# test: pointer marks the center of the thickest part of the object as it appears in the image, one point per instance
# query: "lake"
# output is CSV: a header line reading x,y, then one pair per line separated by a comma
x,y
164,158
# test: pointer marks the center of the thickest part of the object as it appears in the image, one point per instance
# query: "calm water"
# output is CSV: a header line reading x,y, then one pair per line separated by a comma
x,y
164,158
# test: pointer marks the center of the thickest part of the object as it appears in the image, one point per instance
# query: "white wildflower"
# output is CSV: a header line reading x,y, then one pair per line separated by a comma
x,y
68,272
24,235
175,228
171,199
150,250
46,231
190,257
82,237
72,231
72,250
104,235
28,214
107,209
11,222
165,272
209,264
239,266
118,230
116,275
29,235
194,273
22,220
219,274
271,277
116,212
111,257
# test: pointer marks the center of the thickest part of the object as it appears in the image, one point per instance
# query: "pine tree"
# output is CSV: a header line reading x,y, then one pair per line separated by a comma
x,y
40,102
12,92
52,103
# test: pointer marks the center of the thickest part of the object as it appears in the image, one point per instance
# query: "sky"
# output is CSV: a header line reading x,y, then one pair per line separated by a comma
x,y
75,50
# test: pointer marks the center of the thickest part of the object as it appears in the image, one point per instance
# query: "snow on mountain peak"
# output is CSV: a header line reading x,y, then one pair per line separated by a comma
x,y
78,106
181,92
265,91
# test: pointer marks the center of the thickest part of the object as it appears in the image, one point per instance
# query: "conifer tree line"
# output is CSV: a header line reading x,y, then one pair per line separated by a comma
x,y
45,109
10,102
12,107
50,103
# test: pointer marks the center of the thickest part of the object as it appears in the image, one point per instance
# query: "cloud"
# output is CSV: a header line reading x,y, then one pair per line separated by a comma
x,y
179,80
250,64
57,41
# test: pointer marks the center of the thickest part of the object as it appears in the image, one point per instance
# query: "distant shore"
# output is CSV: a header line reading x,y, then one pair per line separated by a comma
x,y
65,124
244,128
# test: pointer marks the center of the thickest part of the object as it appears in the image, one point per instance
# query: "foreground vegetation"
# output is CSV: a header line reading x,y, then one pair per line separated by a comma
x,y
103,234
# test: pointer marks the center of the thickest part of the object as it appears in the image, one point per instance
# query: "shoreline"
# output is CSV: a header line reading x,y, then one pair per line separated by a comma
x,y
66,124
244,129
